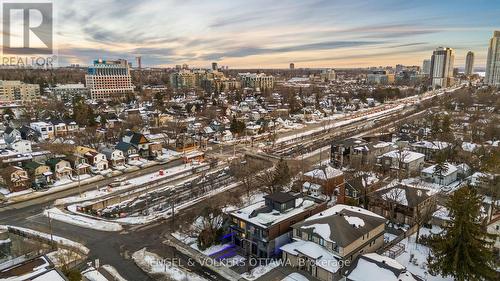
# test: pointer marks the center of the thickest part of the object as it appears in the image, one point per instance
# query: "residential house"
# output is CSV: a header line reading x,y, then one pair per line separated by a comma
x,y
128,149
331,180
324,242
493,228
403,203
155,149
482,180
39,173
60,167
372,266
366,154
114,156
139,141
60,128
20,146
15,178
64,127
44,130
406,161
28,133
79,164
97,160
429,148
185,143
446,177
11,134
260,229
223,136
341,151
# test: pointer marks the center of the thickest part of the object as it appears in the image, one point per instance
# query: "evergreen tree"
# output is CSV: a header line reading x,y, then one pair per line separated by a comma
x,y
282,173
237,127
462,250
440,169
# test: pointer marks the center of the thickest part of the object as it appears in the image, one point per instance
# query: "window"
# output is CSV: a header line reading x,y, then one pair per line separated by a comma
x,y
299,233
322,241
309,237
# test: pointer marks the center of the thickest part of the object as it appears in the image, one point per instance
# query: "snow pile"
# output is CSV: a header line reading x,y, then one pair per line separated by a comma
x,y
113,272
154,264
357,222
63,257
414,258
81,221
91,274
295,277
260,270
322,229
56,239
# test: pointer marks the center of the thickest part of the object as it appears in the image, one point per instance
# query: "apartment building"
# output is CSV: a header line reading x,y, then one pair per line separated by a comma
x,y
109,79
257,81
17,91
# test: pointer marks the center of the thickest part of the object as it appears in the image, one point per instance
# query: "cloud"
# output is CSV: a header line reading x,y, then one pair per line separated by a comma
x,y
243,32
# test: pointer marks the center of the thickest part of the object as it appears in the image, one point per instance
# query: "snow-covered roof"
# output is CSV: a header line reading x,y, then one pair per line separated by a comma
x,y
376,267
322,257
434,145
450,169
406,156
326,173
341,224
405,195
311,186
469,147
265,219
442,213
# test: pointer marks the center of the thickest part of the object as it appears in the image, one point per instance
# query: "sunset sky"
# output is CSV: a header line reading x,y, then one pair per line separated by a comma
x,y
261,34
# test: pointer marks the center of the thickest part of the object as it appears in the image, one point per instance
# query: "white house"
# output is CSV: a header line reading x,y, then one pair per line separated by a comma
x,y
114,156
493,228
44,130
97,160
409,161
10,134
429,148
447,177
227,136
20,146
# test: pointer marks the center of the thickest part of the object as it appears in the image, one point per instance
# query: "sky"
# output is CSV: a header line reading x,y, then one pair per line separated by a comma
x,y
271,34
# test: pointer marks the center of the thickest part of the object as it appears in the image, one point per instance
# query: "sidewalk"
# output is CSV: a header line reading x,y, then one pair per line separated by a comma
x,y
201,258
279,273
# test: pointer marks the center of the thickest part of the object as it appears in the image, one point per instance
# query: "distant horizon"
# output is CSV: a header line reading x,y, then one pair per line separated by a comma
x,y
263,35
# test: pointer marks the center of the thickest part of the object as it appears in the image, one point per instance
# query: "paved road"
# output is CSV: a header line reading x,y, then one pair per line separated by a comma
x,y
50,197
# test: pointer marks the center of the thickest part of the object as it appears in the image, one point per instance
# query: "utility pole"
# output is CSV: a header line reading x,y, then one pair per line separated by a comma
x,y
173,212
50,228
79,182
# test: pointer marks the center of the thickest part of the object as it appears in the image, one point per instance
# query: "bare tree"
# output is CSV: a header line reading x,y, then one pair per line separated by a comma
x,y
245,172
393,197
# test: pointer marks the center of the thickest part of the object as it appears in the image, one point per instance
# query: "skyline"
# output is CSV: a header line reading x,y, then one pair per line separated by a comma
x,y
262,35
